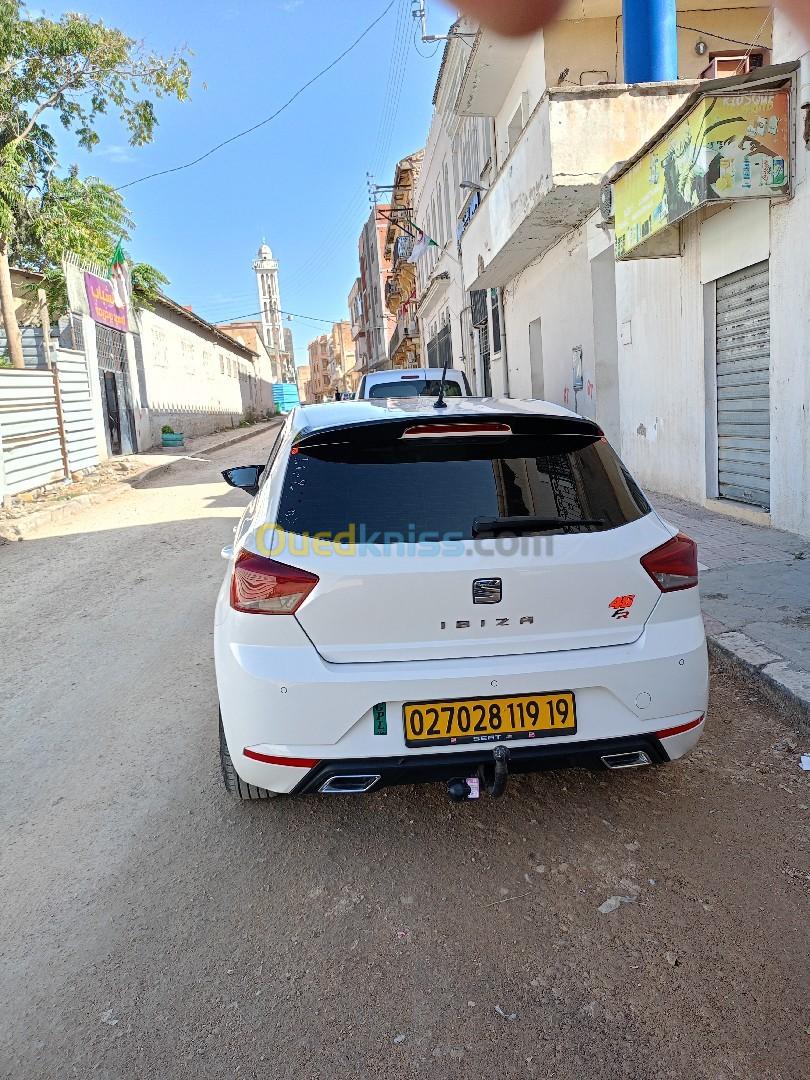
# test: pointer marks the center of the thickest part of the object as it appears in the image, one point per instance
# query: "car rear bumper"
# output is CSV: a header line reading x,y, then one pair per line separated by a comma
x,y
288,703
433,768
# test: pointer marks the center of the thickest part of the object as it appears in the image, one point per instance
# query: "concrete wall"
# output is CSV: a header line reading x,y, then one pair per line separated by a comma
x,y
195,383
556,289
593,50
790,315
665,333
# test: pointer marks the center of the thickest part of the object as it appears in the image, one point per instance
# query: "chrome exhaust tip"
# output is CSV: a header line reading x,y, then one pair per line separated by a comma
x,y
349,785
633,760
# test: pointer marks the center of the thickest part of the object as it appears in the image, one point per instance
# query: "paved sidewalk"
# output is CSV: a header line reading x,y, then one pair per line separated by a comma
x,y
116,475
755,591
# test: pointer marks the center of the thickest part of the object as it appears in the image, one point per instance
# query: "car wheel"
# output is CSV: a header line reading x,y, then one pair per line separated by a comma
x,y
231,778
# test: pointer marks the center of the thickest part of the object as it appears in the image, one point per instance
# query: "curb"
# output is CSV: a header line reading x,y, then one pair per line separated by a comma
x,y
783,684
24,527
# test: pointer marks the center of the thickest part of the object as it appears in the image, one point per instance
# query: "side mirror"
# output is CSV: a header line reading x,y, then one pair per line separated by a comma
x,y
245,477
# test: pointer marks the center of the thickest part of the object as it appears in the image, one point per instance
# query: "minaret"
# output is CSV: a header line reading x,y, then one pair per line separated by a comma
x,y
266,269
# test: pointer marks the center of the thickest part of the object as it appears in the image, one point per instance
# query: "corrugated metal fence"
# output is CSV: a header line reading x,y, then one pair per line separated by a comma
x,y
46,424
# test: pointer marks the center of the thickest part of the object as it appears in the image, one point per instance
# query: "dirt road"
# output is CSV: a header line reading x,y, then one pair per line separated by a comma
x,y
154,928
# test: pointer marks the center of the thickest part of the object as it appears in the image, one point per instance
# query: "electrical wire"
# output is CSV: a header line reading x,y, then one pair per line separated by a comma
x,y
290,314
723,37
425,56
750,47
267,119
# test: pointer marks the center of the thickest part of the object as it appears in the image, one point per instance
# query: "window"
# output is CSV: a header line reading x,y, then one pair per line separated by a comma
x,y
515,127
496,320
449,206
442,486
414,388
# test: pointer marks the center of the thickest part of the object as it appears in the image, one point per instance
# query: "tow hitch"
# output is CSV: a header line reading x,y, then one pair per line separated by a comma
x,y
459,790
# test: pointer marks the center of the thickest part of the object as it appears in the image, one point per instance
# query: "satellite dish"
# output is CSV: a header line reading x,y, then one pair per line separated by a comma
x,y
607,202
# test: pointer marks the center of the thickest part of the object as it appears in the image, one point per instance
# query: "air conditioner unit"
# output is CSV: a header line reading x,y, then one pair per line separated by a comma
x,y
723,66
607,202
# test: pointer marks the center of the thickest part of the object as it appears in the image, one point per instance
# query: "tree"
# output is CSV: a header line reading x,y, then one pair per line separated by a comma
x,y
77,70
87,217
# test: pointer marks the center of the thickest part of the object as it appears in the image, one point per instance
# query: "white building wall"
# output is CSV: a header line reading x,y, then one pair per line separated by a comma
x,y
790,313
665,334
556,290
195,384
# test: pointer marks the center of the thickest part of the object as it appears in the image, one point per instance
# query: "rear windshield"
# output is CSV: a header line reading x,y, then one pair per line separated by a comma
x,y
450,489
414,388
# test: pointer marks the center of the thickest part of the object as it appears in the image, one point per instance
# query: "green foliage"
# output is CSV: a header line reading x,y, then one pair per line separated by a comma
x,y
76,70
167,429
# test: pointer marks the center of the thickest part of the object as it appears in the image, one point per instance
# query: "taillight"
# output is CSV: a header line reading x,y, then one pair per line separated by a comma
x,y
263,586
673,566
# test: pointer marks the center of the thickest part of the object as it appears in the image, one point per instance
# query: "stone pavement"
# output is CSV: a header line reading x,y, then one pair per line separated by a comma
x,y
755,592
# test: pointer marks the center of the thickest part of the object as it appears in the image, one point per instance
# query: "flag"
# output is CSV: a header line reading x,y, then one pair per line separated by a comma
x,y
119,276
421,246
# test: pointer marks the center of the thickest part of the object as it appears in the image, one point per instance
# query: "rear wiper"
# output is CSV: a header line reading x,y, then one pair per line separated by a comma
x,y
530,524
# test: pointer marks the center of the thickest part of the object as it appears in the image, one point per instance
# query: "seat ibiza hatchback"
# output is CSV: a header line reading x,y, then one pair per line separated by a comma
x,y
450,594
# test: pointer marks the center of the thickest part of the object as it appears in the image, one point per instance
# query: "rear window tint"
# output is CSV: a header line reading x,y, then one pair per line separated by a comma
x,y
414,388
438,488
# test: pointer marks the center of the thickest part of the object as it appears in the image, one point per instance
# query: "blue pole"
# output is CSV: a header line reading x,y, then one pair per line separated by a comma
x,y
650,41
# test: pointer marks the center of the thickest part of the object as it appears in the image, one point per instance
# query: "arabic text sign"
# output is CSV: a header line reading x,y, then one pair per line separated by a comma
x,y
106,306
732,146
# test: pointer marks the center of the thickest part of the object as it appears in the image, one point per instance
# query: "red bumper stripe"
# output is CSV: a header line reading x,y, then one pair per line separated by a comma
x,y
290,762
679,730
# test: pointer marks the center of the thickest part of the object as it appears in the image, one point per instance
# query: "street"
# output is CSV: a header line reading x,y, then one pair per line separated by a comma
x,y
155,927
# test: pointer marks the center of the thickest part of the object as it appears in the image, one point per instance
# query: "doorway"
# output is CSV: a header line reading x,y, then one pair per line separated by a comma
x,y
536,358
112,412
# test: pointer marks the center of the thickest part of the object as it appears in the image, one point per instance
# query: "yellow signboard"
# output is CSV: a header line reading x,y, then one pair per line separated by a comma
x,y
732,146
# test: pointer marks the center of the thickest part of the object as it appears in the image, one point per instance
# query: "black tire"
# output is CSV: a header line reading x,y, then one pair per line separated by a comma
x,y
230,777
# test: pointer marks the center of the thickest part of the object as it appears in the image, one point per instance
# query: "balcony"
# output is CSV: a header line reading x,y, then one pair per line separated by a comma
x,y
403,247
551,180
405,333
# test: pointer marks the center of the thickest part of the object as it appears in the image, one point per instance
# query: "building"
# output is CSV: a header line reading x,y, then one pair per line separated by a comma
x,y
635,251
457,163
320,382
289,357
713,384
400,287
268,367
303,379
277,338
378,322
357,321
342,375
171,367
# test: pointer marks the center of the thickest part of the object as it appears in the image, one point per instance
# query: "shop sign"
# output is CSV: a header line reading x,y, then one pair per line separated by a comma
x,y
730,146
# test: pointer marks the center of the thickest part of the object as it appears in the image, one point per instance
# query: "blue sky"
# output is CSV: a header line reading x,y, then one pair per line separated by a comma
x,y
299,181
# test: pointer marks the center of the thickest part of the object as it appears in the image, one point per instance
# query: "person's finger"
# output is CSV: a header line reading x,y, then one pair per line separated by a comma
x,y
512,17
516,17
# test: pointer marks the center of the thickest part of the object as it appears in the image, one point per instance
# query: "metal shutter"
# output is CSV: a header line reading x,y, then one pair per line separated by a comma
x,y
743,394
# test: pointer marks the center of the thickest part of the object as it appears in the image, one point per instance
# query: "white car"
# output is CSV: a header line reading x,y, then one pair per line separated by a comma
x,y
450,594
413,382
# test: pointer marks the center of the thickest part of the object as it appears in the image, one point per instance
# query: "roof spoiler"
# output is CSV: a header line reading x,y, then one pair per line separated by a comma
x,y
390,430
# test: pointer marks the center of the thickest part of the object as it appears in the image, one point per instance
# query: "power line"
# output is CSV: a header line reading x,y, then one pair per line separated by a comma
x,y
722,37
267,119
291,314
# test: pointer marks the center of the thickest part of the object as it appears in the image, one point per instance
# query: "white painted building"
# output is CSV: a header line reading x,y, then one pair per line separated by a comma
x,y
713,341
693,356
277,338
458,151
189,374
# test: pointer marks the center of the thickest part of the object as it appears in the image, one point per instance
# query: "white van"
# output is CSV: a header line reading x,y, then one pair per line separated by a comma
x,y
413,382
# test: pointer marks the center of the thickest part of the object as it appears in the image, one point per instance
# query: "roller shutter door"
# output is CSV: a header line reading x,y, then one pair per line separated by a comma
x,y
743,386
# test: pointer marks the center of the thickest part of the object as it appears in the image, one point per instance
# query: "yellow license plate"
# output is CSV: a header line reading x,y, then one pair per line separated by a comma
x,y
496,719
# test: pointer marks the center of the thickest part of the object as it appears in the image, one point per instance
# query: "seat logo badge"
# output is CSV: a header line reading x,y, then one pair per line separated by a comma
x,y
487,590
621,606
